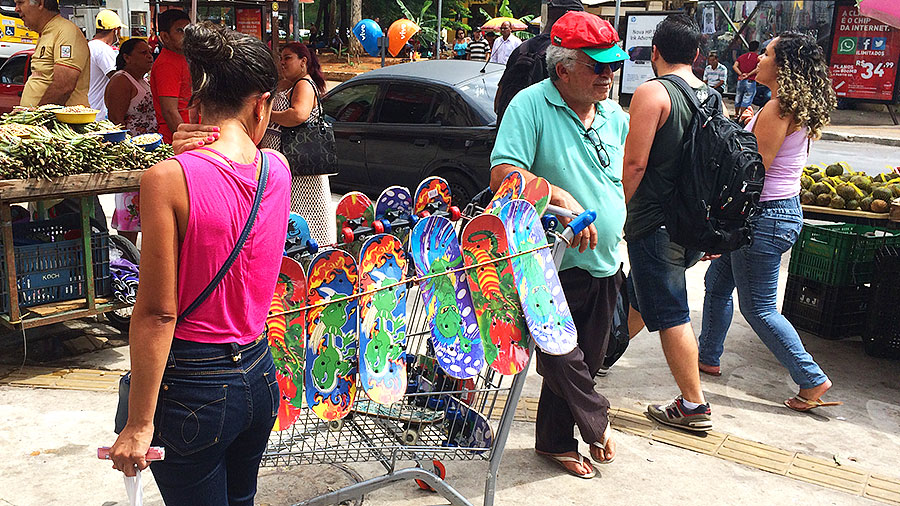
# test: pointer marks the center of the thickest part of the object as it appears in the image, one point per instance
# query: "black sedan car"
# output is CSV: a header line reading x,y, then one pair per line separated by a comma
x,y
400,124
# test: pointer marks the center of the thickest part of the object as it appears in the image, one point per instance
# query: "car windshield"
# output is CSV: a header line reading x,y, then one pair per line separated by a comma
x,y
481,90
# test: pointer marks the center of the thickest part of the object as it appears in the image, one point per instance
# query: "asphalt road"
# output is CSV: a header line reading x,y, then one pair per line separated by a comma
x,y
871,158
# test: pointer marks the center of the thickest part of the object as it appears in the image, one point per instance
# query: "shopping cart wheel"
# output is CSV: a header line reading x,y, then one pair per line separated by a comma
x,y
410,436
335,425
439,470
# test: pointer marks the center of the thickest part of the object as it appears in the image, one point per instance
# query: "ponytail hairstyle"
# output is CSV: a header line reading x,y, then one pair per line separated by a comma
x,y
126,48
804,85
313,68
227,67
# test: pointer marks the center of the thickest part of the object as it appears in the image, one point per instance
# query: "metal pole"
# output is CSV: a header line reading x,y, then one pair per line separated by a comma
x,y
193,11
437,43
303,14
618,8
295,8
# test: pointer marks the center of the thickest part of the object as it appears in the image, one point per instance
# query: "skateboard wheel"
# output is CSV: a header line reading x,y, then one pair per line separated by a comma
x,y
439,470
549,222
413,219
410,436
424,214
312,246
335,425
455,213
378,226
387,225
347,235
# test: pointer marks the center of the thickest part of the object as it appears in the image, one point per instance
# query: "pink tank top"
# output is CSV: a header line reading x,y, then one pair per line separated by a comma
x,y
221,197
783,177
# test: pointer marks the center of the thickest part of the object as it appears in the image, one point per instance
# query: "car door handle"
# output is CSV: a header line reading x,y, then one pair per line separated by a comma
x,y
355,138
421,142
469,143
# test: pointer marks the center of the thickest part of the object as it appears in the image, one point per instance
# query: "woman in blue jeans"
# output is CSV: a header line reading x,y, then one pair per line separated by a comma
x,y
794,68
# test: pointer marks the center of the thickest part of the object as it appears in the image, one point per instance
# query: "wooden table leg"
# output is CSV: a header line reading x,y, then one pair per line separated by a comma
x,y
9,252
87,211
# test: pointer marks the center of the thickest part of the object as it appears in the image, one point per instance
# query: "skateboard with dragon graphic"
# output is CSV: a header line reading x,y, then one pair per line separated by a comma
x,y
510,188
432,195
454,330
543,302
331,364
382,319
501,322
285,332
537,191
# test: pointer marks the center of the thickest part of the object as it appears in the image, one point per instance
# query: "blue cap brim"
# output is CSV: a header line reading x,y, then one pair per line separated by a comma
x,y
607,55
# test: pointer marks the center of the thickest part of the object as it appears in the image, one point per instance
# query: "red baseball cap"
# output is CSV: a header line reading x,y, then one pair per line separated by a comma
x,y
590,33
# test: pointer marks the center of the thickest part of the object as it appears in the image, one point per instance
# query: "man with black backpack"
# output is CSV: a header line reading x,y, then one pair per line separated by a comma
x,y
527,64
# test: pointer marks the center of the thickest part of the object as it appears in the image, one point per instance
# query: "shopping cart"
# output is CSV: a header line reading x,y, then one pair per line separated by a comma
x,y
411,431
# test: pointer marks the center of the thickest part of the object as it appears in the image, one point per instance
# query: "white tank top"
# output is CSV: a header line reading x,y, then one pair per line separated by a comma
x,y
140,118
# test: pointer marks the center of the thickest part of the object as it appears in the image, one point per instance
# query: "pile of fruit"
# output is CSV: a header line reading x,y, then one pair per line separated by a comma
x,y
838,187
34,144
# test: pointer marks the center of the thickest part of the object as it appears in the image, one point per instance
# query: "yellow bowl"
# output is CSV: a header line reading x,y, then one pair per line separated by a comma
x,y
77,118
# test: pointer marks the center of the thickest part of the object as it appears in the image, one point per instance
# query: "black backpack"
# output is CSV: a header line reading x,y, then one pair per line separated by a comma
x,y
722,172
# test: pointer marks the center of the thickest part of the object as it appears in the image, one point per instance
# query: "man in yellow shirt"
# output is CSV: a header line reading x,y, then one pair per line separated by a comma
x,y
60,72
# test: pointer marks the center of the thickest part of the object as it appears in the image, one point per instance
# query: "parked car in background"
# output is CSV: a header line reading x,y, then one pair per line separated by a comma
x,y
14,36
400,124
13,74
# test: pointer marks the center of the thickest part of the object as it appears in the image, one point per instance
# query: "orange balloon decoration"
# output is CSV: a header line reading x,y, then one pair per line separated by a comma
x,y
400,31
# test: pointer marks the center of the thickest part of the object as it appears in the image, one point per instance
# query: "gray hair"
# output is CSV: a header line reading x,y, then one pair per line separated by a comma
x,y
557,54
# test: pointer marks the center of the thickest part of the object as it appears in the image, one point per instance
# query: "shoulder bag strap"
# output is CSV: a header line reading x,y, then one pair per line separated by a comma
x,y
260,189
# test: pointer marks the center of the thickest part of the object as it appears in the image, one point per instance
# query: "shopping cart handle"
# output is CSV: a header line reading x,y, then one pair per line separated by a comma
x,y
582,222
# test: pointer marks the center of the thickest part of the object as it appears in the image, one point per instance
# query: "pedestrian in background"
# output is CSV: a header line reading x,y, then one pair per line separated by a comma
x,y
203,384
745,67
103,58
657,288
567,130
715,75
170,78
60,66
795,69
460,45
130,104
505,44
296,104
479,47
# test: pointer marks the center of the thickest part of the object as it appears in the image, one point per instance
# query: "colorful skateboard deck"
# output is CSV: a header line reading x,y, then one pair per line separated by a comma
x,y
501,322
356,208
286,337
331,363
468,428
432,194
510,188
395,202
382,319
454,329
537,191
543,302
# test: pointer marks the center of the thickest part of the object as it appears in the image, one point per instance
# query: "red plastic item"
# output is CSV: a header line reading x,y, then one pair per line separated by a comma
x,y
455,213
347,235
153,453
439,470
378,226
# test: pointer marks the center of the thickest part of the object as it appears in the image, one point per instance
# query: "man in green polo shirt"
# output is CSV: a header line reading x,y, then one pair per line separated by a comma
x,y
566,130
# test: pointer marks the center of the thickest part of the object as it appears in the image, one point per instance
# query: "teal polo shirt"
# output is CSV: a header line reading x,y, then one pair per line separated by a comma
x,y
541,134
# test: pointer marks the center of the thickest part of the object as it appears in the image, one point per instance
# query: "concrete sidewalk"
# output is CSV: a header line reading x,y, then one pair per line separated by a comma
x,y
49,438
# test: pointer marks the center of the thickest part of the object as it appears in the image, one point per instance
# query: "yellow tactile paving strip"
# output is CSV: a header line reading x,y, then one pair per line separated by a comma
x,y
826,473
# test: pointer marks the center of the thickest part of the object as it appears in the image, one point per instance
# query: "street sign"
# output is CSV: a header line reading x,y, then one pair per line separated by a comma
x,y
864,56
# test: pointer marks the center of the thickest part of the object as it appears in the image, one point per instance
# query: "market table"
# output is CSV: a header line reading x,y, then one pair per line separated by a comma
x,y
85,187
846,216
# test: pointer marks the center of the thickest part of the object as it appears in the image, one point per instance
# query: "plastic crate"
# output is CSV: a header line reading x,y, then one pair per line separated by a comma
x,y
841,254
829,312
882,334
49,262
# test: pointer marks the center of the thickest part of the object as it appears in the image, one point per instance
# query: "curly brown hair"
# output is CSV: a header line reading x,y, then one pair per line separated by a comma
x,y
804,85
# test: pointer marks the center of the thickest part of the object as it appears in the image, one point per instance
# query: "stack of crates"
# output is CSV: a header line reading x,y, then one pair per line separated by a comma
x,y
830,276
882,334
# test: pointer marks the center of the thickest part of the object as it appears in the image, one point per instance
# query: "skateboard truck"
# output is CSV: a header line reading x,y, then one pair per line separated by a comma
x,y
154,453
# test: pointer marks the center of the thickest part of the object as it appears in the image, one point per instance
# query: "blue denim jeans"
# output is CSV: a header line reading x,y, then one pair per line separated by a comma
x,y
656,285
217,405
744,93
753,270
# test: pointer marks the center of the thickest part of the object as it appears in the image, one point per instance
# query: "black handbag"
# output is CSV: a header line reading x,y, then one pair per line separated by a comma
x,y
125,380
309,147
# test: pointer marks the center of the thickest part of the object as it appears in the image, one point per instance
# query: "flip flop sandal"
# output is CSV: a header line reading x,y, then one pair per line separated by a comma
x,y
562,460
602,445
808,404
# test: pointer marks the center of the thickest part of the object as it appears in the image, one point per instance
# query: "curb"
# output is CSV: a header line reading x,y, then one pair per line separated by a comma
x,y
836,136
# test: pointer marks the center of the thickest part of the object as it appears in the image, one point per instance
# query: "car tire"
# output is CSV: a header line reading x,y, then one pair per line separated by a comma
x,y
121,319
462,188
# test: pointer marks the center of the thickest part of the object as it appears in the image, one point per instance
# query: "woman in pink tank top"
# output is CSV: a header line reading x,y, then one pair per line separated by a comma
x,y
794,68
203,386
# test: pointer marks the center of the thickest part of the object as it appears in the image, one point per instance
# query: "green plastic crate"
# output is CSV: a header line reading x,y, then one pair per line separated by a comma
x,y
840,254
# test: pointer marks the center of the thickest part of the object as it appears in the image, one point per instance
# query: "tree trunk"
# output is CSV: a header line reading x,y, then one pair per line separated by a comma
x,y
355,17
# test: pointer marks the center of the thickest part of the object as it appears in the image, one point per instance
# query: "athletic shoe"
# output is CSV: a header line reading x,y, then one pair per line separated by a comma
x,y
602,372
675,414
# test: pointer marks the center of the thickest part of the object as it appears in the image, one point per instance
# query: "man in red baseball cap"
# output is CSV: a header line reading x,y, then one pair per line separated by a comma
x,y
566,130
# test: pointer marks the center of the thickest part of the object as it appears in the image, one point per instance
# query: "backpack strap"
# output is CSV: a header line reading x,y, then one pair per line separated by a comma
x,y
691,95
